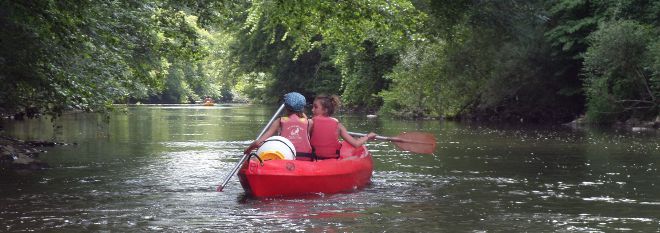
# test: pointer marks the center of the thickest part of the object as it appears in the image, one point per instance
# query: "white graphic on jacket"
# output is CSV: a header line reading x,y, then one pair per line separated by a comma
x,y
294,132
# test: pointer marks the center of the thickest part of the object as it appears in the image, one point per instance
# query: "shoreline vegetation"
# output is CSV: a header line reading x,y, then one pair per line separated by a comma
x,y
548,62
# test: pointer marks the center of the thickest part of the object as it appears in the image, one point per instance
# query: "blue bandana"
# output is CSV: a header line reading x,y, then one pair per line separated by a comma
x,y
295,101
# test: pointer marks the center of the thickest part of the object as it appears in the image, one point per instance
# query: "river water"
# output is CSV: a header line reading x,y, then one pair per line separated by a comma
x,y
156,168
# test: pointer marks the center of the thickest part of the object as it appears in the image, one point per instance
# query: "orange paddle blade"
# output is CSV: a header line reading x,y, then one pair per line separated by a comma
x,y
417,142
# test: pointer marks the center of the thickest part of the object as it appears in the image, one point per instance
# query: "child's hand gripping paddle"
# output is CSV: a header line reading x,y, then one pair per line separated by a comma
x,y
417,142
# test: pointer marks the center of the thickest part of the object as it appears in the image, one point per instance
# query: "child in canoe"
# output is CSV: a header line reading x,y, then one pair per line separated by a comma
x,y
326,130
293,126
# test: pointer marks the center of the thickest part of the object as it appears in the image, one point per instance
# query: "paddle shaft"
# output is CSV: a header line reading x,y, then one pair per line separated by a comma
x,y
394,139
242,160
364,135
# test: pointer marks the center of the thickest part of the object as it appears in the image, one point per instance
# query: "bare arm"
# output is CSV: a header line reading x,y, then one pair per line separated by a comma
x,y
270,132
354,142
311,127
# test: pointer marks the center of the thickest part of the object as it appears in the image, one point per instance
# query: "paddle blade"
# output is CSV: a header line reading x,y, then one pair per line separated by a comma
x,y
417,142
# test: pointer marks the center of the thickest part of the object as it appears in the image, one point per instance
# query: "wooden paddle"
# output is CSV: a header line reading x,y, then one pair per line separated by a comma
x,y
245,156
417,142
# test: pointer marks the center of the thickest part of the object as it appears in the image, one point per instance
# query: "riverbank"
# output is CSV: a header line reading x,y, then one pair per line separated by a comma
x,y
22,155
634,125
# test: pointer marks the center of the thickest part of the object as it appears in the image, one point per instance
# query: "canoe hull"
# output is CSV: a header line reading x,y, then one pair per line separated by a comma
x,y
294,178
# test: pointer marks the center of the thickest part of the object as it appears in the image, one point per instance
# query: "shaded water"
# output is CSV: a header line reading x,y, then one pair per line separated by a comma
x,y
157,167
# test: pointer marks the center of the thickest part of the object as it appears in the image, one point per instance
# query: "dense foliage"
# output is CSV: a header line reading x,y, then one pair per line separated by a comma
x,y
612,47
525,61
56,55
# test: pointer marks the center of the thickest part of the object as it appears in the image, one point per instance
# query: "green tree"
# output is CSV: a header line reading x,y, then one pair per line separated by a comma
x,y
418,84
621,74
209,71
363,74
56,55
269,66
321,46
583,30
486,61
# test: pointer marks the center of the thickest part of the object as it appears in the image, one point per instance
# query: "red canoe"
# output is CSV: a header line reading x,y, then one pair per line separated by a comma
x,y
294,178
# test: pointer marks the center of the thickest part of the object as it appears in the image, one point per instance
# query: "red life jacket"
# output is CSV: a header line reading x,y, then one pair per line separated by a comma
x,y
325,137
296,130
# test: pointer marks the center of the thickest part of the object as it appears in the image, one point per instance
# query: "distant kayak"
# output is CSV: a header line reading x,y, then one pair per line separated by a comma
x,y
295,178
208,103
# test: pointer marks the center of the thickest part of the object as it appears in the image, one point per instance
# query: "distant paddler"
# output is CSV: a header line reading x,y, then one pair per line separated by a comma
x,y
208,101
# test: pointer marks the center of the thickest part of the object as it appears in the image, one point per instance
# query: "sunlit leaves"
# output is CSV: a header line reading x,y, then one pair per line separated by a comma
x,y
311,23
87,55
418,58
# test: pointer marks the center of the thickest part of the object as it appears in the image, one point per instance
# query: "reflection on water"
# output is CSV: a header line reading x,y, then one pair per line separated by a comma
x,y
156,168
